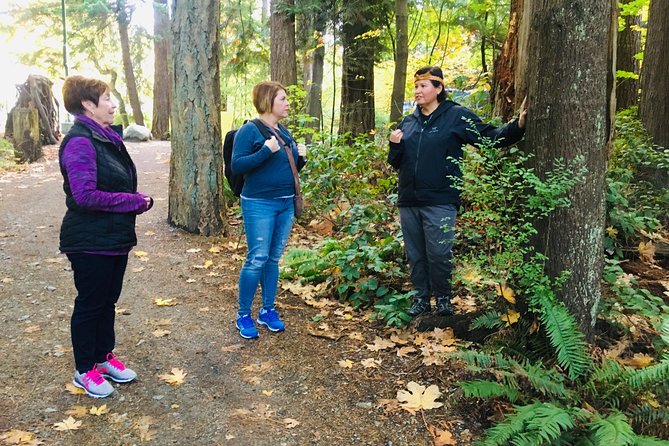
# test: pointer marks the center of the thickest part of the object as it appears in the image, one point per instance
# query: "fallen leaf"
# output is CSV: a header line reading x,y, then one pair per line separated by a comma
x,y
229,437
149,233
380,344
647,251
267,392
405,351
511,317
506,292
7,280
74,390
97,411
175,378
639,360
140,254
290,423
441,437
159,333
165,302
143,425
214,250
346,364
69,424
77,411
19,437
370,363
419,397
193,250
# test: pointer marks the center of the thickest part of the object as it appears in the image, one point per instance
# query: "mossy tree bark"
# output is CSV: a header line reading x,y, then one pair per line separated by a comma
x,y
196,198
160,126
401,59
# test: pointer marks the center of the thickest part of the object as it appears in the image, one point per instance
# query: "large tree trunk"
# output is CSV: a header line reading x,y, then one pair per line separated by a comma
x,y
283,65
357,93
123,19
196,198
629,44
571,97
401,58
522,57
654,105
504,92
160,127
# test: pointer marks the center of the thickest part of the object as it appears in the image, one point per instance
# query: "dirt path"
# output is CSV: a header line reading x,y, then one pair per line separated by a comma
x,y
282,389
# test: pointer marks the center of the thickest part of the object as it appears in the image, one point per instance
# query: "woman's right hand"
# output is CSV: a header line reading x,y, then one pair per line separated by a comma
x,y
273,144
396,136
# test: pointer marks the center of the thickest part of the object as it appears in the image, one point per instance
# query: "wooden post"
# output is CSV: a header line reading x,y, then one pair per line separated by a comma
x,y
27,146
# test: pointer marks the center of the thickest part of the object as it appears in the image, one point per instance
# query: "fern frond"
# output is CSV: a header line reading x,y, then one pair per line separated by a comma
x,y
484,360
649,415
488,389
546,382
550,422
613,430
649,376
490,319
650,441
569,343
513,424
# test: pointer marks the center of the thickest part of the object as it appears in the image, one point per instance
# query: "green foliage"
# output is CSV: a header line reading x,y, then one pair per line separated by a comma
x,y
7,156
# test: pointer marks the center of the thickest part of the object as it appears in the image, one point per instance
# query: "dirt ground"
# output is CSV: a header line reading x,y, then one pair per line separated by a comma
x,y
326,380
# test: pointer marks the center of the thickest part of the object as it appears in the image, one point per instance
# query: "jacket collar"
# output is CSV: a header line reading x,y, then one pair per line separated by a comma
x,y
443,106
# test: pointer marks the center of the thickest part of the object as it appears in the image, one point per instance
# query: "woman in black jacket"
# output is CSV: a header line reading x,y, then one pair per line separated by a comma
x,y
425,149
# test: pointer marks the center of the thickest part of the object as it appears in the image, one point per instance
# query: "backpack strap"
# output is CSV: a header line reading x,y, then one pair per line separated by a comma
x,y
264,131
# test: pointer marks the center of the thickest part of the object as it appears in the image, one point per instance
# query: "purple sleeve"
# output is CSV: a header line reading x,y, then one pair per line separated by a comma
x,y
79,160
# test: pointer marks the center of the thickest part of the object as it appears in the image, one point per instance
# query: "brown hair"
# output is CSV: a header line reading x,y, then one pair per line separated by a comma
x,y
77,89
264,94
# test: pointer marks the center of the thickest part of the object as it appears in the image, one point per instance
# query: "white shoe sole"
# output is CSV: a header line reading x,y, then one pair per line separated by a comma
x,y
94,395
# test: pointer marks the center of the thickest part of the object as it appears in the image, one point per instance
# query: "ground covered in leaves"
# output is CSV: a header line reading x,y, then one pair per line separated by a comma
x,y
335,377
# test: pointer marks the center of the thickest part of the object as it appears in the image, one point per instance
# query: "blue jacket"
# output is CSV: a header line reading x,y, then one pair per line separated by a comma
x,y
266,174
426,152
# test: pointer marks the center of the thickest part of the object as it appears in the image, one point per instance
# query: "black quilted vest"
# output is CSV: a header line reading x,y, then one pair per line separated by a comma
x,y
89,230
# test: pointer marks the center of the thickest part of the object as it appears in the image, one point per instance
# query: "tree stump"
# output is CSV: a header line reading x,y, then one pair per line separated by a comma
x,y
26,134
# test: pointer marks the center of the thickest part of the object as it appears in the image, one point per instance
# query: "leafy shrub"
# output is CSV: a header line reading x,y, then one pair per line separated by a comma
x,y
7,156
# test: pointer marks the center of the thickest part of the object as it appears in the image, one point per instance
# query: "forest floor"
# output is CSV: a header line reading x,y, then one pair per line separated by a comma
x,y
331,378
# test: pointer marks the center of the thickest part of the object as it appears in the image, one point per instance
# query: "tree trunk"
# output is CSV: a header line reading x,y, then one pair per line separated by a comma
x,y
504,93
315,88
357,93
629,44
401,58
160,127
26,134
654,105
522,58
122,19
196,197
283,65
571,97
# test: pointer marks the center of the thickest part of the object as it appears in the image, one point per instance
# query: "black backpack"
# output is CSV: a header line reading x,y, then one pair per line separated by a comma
x,y
236,182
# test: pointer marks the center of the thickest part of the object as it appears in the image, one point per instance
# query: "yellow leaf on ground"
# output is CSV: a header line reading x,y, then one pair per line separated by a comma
x,y
143,425
647,251
441,437
380,344
97,411
511,317
19,437
346,364
175,378
140,254
267,392
370,363
77,411
405,351
214,250
74,390
471,276
506,292
639,360
69,424
419,397
165,302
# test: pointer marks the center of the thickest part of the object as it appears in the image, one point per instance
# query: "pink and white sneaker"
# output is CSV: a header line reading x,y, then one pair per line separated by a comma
x,y
114,369
93,383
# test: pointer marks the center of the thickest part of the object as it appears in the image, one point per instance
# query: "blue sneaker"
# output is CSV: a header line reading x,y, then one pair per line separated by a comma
x,y
247,327
271,319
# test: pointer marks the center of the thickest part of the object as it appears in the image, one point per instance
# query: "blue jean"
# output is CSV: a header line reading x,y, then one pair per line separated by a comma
x,y
267,223
428,240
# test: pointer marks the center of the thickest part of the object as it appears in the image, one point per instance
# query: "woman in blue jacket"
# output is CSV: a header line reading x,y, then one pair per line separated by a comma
x,y
267,203
424,148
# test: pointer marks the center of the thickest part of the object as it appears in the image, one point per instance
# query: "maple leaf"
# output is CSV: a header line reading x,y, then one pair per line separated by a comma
x,y
77,411
370,363
405,351
74,390
118,418
388,405
174,378
143,425
19,437
356,336
159,333
398,339
380,344
97,411
441,437
165,302
506,292
69,424
511,317
346,364
419,397
290,423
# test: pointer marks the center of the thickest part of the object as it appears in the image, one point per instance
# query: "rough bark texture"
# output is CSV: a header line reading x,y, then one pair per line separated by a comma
x,y
160,127
122,19
401,58
522,57
26,139
629,44
571,62
357,93
314,102
654,105
504,91
283,64
196,199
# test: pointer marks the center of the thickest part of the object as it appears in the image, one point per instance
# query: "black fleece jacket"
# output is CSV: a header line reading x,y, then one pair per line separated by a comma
x,y
424,156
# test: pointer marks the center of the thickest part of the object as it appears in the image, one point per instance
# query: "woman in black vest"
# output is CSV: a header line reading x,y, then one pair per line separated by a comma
x,y
98,230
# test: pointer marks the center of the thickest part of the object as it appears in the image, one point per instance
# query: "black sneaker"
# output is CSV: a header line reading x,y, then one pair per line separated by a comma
x,y
419,306
444,306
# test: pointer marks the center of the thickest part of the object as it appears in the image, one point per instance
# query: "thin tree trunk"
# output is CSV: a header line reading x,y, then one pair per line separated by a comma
x,y
315,91
654,105
629,44
401,59
122,19
283,65
160,127
572,103
196,196
522,58
504,93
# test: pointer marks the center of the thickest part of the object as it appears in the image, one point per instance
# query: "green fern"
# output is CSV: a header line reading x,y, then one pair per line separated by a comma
x,y
649,376
489,389
550,422
613,430
513,424
546,382
490,319
650,441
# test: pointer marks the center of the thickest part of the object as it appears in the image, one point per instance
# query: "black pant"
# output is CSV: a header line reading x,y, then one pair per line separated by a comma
x,y
98,279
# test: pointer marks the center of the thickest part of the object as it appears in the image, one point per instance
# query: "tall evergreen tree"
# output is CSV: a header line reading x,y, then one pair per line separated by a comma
x,y
161,75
